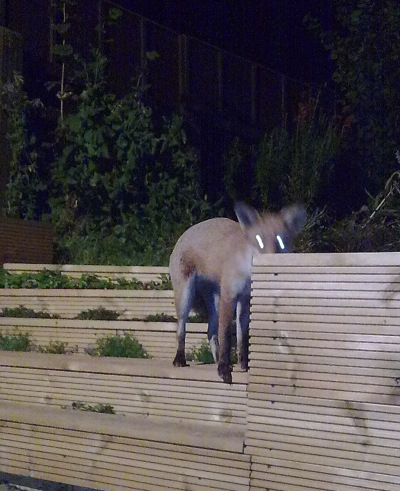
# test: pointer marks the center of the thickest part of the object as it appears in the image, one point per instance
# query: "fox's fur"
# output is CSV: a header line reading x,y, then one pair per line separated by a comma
x,y
211,266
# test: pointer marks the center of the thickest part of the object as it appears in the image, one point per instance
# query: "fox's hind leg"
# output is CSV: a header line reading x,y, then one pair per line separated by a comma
x,y
209,291
183,303
212,332
242,331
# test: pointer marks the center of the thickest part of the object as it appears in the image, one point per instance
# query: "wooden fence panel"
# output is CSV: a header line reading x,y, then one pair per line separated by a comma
x,y
324,381
158,338
25,241
141,273
69,303
132,386
111,452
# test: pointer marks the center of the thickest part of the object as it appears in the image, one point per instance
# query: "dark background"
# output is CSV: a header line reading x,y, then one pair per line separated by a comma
x,y
270,32
232,68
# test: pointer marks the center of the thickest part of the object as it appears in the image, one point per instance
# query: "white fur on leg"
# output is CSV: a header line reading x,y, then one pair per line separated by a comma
x,y
214,347
239,333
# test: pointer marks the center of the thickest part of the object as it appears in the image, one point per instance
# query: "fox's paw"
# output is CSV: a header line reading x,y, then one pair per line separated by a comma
x,y
225,372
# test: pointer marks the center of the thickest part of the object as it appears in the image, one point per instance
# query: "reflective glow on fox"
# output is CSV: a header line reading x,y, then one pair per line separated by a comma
x,y
210,269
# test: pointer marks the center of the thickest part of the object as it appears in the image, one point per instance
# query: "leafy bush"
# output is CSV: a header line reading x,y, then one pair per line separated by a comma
x,y
26,313
97,408
159,318
292,165
54,348
364,46
164,283
55,279
15,341
202,354
100,314
122,182
123,346
373,228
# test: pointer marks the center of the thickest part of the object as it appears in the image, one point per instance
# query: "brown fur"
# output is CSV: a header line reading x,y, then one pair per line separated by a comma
x,y
214,258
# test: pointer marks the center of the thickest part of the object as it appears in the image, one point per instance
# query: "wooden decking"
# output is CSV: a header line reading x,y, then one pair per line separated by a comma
x,y
318,410
323,394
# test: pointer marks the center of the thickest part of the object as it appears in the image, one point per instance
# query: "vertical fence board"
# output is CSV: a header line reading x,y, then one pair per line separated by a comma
x,y
324,394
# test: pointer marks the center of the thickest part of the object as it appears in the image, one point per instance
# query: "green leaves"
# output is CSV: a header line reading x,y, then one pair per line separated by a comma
x,y
365,49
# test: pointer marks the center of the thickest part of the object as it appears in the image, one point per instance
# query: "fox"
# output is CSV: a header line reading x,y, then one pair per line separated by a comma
x,y
210,269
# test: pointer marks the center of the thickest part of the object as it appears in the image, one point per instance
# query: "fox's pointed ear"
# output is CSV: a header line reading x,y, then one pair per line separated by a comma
x,y
295,217
246,215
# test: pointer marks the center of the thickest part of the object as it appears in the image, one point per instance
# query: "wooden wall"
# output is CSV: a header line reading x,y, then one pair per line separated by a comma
x,y
174,428
323,394
158,338
141,273
25,241
69,303
318,410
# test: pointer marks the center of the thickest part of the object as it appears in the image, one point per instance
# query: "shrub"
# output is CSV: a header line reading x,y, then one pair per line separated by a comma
x,y
100,314
54,348
97,408
159,318
16,341
24,312
292,164
202,354
55,279
123,346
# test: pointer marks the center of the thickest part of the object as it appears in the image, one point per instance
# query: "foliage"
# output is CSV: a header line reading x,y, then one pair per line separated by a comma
x,y
122,182
122,175
100,314
163,284
159,318
125,346
238,181
365,47
202,354
15,341
373,228
26,188
97,408
54,348
55,279
293,164
26,313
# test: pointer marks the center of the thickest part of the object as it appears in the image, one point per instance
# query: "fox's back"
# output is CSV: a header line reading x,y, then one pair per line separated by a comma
x,y
205,248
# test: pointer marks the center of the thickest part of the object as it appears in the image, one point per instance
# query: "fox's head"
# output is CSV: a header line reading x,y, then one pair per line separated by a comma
x,y
271,232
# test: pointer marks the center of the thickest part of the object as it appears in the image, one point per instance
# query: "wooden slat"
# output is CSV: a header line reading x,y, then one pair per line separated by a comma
x,y
134,386
105,451
158,338
363,259
141,273
281,474
69,303
323,393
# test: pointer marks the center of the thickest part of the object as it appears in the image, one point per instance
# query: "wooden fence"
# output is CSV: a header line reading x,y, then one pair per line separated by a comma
x,y
69,303
141,273
25,241
323,394
158,338
318,410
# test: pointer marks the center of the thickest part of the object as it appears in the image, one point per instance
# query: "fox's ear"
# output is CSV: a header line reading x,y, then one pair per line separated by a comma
x,y
295,217
246,215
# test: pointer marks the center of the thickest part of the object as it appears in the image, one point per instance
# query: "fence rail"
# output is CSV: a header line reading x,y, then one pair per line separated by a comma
x,y
323,396
318,409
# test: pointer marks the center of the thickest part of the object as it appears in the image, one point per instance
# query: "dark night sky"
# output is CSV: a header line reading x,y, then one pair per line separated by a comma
x,y
270,32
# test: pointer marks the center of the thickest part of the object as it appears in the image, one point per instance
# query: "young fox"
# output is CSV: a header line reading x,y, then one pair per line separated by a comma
x,y
210,269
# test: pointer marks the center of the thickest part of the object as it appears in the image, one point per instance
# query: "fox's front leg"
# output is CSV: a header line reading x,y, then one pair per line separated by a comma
x,y
225,339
